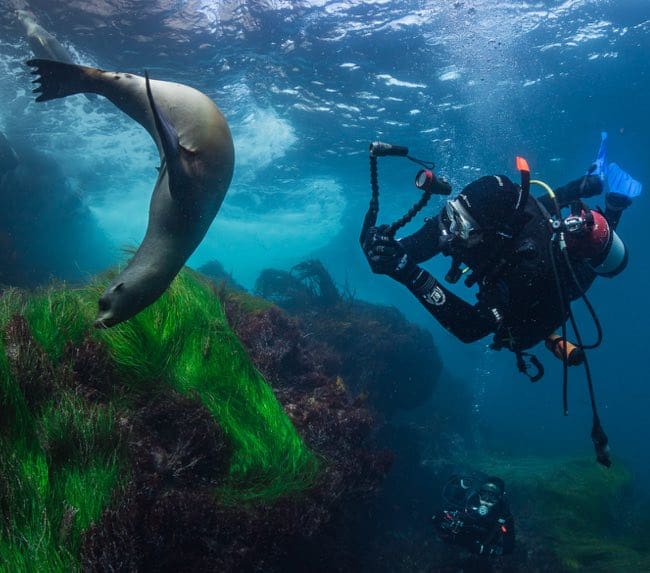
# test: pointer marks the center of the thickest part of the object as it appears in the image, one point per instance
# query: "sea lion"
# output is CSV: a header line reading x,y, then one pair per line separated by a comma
x,y
42,43
197,161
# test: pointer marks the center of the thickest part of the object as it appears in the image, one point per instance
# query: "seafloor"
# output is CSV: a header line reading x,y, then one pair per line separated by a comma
x,y
297,429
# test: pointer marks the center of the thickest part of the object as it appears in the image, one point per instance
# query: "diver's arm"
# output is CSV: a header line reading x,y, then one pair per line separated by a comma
x,y
424,243
508,535
587,186
387,256
457,316
615,204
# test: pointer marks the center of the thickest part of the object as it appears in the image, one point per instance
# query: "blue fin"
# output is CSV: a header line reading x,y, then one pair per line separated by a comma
x,y
621,182
600,164
171,147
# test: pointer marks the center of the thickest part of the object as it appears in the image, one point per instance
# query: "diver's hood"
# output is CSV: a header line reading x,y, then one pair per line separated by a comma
x,y
491,201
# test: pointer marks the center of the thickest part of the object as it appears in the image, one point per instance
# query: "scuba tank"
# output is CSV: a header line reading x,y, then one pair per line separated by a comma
x,y
589,236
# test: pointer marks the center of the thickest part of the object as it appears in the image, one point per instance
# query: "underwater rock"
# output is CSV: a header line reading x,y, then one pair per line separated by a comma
x,y
333,423
392,362
167,519
91,369
280,349
307,286
214,271
46,229
174,439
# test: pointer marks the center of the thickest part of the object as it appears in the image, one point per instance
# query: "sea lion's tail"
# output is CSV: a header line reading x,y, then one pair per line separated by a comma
x,y
58,79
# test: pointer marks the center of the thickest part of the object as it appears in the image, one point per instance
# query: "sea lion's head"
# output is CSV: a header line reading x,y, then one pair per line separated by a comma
x,y
26,18
130,292
120,301
111,306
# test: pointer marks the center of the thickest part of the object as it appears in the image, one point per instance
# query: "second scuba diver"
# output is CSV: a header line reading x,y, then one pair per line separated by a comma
x,y
475,515
528,260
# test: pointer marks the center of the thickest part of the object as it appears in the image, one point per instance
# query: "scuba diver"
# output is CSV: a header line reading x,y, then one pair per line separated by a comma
x,y
528,259
475,515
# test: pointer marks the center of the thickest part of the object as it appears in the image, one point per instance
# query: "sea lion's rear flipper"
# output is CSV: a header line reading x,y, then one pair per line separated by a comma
x,y
178,176
58,79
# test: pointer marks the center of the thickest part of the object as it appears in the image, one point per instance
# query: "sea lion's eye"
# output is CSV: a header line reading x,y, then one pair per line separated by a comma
x,y
103,304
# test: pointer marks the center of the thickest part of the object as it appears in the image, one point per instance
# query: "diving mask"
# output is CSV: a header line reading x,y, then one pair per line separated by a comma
x,y
461,223
489,494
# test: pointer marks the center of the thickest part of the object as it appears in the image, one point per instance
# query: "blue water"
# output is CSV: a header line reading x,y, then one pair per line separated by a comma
x,y
307,85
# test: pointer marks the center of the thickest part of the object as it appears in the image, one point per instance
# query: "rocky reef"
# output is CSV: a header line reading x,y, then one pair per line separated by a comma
x,y
46,227
224,431
158,445
393,363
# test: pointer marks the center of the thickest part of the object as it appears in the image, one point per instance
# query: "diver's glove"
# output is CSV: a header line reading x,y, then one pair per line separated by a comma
x,y
590,186
616,201
387,257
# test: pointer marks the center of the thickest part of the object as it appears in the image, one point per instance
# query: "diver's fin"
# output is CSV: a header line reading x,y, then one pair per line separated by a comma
x,y
170,145
57,79
622,183
599,166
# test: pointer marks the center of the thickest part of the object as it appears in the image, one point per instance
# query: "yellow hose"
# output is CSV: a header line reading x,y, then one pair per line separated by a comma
x,y
545,186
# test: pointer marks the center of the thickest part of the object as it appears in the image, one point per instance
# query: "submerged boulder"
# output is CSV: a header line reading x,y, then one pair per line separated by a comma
x,y
392,362
46,228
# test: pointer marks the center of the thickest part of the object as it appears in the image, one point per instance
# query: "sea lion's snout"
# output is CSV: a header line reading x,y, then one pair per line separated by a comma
x,y
114,306
105,319
99,323
24,16
106,311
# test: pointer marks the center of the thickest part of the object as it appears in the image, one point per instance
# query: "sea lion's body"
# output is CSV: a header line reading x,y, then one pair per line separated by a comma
x,y
197,160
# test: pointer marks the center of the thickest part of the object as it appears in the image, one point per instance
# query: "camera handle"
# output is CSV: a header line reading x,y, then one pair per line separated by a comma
x,y
381,149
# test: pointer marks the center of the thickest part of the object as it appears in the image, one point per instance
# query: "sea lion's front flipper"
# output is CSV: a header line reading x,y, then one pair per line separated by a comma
x,y
178,176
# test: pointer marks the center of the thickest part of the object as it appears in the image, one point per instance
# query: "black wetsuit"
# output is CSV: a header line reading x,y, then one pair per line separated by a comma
x,y
518,299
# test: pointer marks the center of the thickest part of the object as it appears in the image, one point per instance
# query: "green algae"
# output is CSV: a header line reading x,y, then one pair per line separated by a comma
x,y
61,462
184,341
577,509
